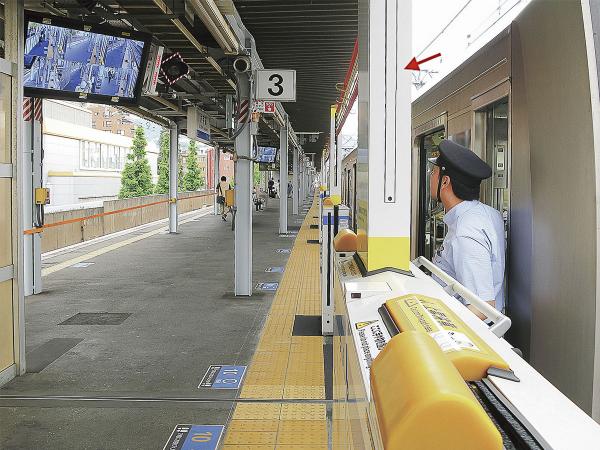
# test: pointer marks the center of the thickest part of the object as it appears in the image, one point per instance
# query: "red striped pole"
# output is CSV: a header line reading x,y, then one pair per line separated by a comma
x,y
27,109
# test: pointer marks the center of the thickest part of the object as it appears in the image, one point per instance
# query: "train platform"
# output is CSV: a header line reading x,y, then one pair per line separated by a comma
x,y
126,330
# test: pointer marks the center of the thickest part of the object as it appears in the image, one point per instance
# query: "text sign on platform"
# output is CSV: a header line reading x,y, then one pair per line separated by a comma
x,y
279,85
261,106
223,377
194,437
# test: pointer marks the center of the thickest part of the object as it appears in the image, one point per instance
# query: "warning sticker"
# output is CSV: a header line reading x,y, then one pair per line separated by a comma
x,y
433,318
453,341
372,337
349,268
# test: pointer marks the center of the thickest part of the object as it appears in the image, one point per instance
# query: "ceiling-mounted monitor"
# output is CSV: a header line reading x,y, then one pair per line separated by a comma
x,y
266,154
78,61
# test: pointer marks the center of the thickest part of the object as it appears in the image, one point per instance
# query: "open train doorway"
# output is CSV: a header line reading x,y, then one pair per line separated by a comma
x,y
491,141
431,230
493,126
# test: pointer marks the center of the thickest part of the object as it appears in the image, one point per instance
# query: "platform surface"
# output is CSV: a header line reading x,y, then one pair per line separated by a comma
x,y
126,381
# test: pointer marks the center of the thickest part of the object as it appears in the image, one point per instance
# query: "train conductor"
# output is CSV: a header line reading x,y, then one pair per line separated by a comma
x,y
473,250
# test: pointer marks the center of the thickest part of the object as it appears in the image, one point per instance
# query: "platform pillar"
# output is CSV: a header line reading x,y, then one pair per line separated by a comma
x,y
173,171
243,195
295,194
32,213
302,195
283,176
384,133
217,177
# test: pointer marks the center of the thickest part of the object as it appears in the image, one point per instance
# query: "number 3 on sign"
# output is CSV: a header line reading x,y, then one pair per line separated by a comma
x,y
277,80
277,85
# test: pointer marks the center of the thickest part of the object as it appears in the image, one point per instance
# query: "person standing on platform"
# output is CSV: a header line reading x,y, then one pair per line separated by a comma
x,y
271,185
473,251
221,188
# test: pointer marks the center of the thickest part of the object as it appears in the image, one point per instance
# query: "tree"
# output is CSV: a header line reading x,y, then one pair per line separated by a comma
x,y
162,186
136,178
180,173
256,170
193,178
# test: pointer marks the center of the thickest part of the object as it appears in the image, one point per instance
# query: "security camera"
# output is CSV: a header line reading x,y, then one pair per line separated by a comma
x,y
241,64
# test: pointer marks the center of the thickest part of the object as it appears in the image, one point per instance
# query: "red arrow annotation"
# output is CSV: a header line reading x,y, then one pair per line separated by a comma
x,y
414,64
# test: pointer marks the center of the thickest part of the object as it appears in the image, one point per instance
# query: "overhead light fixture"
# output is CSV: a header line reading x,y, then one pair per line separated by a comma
x,y
173,68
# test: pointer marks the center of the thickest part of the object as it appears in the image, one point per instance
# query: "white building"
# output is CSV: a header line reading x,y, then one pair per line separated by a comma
x,y
81,164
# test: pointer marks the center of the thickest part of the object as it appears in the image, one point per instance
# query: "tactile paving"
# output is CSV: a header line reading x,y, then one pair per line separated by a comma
x,y
286,367
303,411
251,438
258,411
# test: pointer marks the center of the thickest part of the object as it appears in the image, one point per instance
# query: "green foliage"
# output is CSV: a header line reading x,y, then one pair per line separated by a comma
x,y
136,178
162,186
180,174
256,174
193,178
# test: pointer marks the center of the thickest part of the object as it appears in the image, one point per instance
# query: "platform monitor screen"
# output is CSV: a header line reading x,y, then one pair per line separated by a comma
x,y
78,61
266,154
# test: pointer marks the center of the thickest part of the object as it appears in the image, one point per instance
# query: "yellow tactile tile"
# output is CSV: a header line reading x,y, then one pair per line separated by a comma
x,y
244,425
303,411
257,411
303,447
248,447
251,438
286,367
304,432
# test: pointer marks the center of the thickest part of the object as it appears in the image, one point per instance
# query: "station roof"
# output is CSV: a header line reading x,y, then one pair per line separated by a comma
x,y
313,37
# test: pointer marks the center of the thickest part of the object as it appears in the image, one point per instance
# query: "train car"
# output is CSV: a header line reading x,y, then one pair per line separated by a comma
x,y
538,134
349,185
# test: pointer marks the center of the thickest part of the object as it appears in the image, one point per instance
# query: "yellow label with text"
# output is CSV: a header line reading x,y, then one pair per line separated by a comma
x,y
470,354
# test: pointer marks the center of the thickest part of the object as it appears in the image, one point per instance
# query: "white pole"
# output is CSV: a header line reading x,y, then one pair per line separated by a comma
x,y
216,176
283,176
295,180
173,154
28,204
243,198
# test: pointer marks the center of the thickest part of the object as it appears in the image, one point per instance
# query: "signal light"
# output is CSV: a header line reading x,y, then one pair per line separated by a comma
x,y
173,68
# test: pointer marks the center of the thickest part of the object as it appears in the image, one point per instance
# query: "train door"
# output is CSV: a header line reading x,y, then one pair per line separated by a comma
x,y
495,191
432,228
491,143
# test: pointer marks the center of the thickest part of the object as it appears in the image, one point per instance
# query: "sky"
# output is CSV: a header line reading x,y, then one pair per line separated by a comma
x,y
454,28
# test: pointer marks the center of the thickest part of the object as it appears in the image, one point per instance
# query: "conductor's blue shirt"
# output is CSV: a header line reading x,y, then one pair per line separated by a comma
x,y
473,250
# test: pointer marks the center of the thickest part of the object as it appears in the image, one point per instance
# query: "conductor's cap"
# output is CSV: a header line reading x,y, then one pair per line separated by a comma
x,y
461,163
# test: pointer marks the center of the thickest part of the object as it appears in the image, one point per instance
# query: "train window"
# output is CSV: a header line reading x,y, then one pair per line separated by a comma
x,y
492,124
431,228
495,191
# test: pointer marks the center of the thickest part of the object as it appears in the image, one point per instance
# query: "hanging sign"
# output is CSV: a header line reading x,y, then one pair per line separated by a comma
x,y
261,106
279,85
198,125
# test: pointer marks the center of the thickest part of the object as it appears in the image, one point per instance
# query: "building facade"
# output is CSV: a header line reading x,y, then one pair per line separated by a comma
x,y
113,120
83,164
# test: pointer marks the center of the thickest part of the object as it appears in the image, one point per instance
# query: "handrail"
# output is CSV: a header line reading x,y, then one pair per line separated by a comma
x,y
37,230
501,323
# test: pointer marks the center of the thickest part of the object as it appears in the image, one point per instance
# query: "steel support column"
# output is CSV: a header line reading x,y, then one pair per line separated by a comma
x,y
216,176
295,181
243,196
173,171
283,176
301,179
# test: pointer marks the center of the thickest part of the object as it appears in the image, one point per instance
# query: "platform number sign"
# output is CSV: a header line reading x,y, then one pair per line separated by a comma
x,y
279,85
195,437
